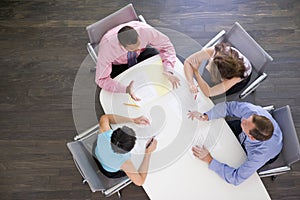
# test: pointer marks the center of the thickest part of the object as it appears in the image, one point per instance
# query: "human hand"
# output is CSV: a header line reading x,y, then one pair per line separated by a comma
x,y
173,79
193,89
141,120
151,145
194,63
129,90
197,115
202,153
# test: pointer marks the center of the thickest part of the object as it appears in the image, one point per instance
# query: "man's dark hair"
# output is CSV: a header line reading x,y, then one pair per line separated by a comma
x,y
263,128
127,35
123,140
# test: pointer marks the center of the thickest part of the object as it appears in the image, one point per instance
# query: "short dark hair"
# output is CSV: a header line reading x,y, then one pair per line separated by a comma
x,y
263,128
127,35
123,140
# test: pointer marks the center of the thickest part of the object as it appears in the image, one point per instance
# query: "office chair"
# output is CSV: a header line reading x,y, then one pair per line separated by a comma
x,y
99,28
82,152
258,57
290,152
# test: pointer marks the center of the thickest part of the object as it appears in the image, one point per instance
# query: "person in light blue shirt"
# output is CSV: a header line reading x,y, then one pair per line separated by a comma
x,y
259,135
114,146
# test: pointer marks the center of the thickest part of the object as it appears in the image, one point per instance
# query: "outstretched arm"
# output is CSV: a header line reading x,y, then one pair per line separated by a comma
x,y
107,54
230,174
193,62
217,89
106,120
139,177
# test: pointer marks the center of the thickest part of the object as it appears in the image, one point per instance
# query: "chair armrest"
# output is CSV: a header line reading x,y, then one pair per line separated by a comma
x,y
253,86
92,52
269,108
142,19
87,132
215,39
275,171
117,187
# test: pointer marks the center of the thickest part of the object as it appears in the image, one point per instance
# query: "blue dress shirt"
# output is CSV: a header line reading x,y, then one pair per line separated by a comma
x,y
258,152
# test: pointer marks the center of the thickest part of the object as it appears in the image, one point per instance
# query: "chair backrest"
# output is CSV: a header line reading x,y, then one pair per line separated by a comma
x,y
99,28
239,38
84,160
290,152
291,149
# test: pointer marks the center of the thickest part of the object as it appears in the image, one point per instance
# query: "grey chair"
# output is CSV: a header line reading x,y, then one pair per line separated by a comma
x,y
259,58
290,152
82,152
99,28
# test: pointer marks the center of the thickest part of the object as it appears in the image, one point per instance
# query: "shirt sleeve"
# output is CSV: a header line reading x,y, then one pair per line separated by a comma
x,y
163,44
218,111
233,109
104,68
238,175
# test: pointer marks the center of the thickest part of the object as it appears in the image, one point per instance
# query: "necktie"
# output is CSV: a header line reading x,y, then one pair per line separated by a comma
x,y
242,140
131,58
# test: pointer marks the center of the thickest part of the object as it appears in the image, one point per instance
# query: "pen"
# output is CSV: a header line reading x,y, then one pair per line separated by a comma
x,y
150,142
133,105
195,97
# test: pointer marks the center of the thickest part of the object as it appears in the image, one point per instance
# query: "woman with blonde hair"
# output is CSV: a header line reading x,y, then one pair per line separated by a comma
x,y
229,70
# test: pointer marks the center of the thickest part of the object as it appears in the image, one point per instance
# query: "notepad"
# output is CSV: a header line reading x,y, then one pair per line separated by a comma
x,y
148,93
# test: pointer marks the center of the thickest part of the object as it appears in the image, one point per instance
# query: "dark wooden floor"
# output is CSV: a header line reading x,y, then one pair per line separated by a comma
x,y
43,45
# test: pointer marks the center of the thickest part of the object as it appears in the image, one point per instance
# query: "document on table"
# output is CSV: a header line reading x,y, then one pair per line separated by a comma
x,y
148,93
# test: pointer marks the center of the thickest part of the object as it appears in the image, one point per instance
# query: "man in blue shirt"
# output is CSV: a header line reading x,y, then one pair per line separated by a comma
x,y
260,136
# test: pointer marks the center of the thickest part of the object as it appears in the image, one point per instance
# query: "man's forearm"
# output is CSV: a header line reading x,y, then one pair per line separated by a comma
x,y
111,85
218,111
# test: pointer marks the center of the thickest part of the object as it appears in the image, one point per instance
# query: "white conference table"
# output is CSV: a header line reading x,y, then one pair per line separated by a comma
x,y
174,173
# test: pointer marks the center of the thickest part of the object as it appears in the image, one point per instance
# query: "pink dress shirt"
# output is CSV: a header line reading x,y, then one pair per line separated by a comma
x,y
112,52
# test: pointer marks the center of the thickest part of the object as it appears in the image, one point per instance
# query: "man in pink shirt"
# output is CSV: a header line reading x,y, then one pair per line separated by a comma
x,y
127,42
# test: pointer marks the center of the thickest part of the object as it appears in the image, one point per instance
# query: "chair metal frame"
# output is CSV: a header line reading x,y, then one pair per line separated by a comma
x,y
111,186
222,36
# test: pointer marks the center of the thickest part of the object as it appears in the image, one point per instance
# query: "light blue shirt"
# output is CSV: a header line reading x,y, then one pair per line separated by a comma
x,y
258,152
110,160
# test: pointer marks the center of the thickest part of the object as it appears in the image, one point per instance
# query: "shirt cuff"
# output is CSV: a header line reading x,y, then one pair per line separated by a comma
x,y
208,115
121,89
169,68
214,165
